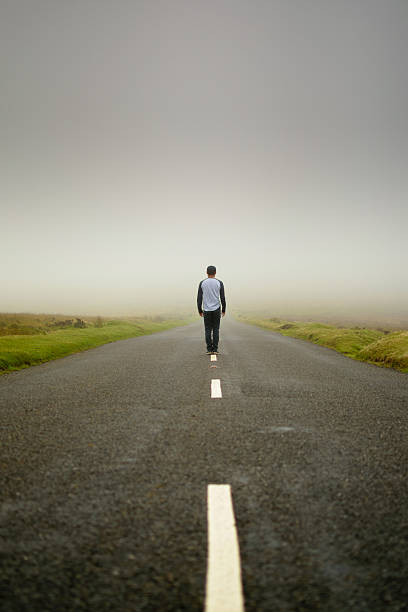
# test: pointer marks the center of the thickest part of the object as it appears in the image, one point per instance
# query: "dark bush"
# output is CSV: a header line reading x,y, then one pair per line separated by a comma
x,y
79,323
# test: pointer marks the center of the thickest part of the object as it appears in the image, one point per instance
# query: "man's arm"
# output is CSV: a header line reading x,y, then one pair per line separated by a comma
x,y
200,300
222,298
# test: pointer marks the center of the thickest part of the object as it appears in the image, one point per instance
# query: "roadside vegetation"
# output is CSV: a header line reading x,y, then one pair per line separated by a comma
x,y
27,339
379,346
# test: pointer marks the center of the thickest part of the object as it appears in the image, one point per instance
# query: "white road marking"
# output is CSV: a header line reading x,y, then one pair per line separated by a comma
x,y
224,584
216,387
213,357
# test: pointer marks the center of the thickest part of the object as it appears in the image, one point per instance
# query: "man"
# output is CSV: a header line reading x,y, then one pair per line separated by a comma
x,y
210,294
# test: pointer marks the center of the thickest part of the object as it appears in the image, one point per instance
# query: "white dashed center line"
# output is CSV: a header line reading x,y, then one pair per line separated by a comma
x,y
213,357
224,584
216,388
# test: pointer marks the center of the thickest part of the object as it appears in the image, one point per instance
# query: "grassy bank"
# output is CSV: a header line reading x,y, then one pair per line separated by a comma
x,y
372,345
52,337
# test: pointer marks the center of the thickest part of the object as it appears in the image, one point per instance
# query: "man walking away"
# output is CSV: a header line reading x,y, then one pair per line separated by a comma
x,y
210,294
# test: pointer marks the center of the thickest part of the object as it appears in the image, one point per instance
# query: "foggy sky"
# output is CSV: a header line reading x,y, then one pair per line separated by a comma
x,y
143,140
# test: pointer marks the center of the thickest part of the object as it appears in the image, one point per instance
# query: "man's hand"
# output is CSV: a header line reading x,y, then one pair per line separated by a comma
x,y
201,314
223,314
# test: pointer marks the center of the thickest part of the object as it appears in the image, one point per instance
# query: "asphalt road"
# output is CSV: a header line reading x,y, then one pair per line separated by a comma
x,y
106,456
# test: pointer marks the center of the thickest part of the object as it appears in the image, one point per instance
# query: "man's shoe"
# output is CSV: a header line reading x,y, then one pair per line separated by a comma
x,y
209,352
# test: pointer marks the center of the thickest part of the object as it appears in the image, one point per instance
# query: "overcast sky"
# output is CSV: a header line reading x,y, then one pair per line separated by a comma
x,y
143,140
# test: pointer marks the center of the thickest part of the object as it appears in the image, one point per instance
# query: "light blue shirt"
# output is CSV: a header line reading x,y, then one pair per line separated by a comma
x,y
212,291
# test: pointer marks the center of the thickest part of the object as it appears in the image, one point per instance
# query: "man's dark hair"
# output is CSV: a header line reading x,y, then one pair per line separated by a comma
x,y
211,270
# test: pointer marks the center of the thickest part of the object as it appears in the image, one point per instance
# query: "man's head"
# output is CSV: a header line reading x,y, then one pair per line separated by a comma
x,y
211,270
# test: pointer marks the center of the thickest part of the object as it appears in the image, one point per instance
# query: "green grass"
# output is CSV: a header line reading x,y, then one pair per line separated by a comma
x,y
371,345
390,351
20,351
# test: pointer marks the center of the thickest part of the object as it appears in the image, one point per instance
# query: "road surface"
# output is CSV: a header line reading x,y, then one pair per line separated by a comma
x,y
106,457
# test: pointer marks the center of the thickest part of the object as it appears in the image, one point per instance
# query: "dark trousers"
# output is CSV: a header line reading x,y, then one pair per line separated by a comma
x,y
212,320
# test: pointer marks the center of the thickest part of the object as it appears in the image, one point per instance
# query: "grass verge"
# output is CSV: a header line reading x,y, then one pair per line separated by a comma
x,y
21,351
372,345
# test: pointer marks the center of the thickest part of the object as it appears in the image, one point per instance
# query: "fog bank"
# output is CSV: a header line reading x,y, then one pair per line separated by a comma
x,y
143,141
